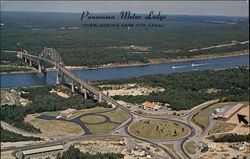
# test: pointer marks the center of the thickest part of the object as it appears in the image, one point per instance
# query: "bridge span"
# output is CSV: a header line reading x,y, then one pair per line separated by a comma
x,y
52,57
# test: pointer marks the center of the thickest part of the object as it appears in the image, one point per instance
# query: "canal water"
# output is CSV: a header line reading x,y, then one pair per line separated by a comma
x,y
35,79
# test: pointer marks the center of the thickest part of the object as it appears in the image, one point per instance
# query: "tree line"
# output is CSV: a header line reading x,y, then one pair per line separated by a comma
x,y
8,136
233,138
75,153
188,89
41,101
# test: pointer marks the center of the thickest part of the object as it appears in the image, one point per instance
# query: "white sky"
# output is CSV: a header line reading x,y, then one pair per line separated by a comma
x,y
226,8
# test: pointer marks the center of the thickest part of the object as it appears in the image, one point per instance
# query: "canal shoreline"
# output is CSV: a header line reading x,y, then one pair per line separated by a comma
x,y
153,62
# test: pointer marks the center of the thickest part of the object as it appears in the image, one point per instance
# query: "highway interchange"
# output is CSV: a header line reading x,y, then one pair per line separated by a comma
x,y
195,132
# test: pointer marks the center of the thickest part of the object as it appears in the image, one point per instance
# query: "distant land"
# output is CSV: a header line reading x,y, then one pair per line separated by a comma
x,y
94,47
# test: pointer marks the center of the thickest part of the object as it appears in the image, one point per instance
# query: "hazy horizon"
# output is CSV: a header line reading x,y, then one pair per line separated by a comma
x,y
202,8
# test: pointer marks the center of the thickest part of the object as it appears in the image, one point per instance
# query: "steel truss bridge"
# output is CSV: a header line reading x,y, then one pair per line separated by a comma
x,y
51,56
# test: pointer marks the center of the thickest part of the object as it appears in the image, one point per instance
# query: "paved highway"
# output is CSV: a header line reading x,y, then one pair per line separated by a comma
x,y
124,127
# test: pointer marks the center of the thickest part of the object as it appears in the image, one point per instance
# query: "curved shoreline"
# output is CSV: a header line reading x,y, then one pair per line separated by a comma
x,y
157,61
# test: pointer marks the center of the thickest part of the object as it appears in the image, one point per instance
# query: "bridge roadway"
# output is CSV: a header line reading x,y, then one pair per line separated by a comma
x,y
77,80
186,119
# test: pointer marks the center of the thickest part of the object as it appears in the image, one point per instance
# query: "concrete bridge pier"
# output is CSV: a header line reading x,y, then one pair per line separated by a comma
x,y
39,67
99,97
72,87
83,91
79,87
44,70
30,62
57,77
25,60
85,94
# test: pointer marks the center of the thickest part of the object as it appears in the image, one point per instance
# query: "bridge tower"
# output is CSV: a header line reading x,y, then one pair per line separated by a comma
x,y
53,55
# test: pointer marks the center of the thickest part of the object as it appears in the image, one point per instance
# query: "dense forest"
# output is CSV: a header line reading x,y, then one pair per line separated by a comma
x,y
75,153
233,138
9,62
98,46
7,136
188,89
41,101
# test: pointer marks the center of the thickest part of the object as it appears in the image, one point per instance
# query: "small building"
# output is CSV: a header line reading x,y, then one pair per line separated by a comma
x,y
42,150
150,105
211,145
139,153
13,91
228,112
240,147
67,112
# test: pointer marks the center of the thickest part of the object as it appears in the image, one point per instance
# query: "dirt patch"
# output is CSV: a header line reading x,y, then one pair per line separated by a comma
x,y
224,150
17,144
7,155
100,146
213,90
130,89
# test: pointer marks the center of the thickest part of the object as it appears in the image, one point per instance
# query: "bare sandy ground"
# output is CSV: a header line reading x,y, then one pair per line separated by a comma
x,y
17,144
223,150
132,89
7,155
100,146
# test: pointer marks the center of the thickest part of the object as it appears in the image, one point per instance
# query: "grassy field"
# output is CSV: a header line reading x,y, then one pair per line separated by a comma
x,y
190,147
84,111
56,113
158,129
171,147
100,128
106,138
55,127
221,126
117,115
92,119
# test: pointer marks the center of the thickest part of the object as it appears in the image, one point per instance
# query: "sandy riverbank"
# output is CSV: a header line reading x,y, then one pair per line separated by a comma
x,y
151,62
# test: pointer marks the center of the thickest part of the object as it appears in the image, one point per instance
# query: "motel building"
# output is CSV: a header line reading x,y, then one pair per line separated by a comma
x,y
149,105
227,112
